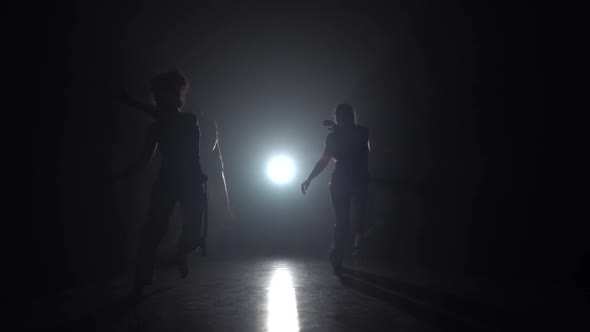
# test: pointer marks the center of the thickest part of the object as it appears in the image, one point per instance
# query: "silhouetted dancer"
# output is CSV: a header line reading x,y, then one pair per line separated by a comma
x,y
175,134
348,144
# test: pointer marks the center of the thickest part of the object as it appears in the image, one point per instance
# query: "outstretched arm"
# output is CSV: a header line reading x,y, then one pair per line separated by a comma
x,y
140,163
319,166
126,99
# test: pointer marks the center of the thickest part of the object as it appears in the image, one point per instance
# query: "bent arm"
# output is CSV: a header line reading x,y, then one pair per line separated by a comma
x,y
319,167
128,100
140,163
323,161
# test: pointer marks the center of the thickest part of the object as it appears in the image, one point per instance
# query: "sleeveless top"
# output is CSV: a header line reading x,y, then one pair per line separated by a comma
x,y
177,135
349,147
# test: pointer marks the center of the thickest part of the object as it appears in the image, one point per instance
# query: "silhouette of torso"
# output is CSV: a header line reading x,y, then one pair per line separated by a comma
x,y
177,134
349,147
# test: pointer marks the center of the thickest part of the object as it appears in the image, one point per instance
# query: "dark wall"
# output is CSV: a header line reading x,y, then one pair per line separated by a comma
x,y
482,142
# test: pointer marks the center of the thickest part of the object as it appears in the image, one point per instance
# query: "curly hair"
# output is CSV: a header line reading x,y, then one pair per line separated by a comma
x,y
172,82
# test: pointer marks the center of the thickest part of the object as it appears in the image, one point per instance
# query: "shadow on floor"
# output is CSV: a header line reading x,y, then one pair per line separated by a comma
x,y
112,313
443,310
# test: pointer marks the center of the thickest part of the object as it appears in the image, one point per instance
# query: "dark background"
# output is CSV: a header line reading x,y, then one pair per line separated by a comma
x,y
475,115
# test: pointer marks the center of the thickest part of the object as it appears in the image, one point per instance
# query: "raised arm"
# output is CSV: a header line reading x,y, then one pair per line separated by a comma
x,y
143,160
126,99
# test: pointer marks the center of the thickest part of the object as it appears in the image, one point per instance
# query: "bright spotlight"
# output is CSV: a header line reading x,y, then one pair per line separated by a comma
x,y
280,169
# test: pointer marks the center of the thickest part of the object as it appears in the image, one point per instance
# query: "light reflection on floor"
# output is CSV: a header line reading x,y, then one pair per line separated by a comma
x,y
282,304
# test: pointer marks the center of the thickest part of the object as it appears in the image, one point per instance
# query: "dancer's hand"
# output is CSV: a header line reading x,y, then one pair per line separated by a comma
x,y
305,185
330,124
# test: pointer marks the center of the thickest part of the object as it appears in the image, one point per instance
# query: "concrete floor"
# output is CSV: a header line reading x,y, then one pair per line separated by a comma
x,y
258,294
